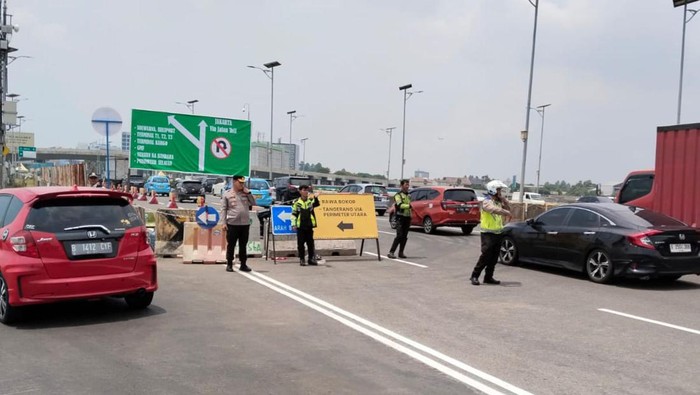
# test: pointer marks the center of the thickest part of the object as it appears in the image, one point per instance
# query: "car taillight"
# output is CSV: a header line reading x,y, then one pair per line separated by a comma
x,y
23,244
642,239
143,240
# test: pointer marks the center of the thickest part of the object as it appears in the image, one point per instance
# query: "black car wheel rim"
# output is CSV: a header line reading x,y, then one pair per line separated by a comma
x,y
3,297
507,251
598,265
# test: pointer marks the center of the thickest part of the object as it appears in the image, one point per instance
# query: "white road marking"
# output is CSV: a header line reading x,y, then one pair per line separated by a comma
x,y
387,233
397,260
680,328
335,313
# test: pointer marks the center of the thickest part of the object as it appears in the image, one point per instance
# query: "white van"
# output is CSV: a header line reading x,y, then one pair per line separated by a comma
x,y
529,197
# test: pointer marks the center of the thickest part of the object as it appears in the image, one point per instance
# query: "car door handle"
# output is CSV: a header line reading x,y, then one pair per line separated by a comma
x,y
552,233
588,233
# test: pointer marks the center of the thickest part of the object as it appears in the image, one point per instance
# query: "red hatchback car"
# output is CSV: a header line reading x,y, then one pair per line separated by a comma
x,y
434,207
61,243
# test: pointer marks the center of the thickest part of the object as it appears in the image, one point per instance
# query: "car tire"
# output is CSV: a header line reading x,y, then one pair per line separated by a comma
x,y
392,221
599,267
8,314
428,226
467,229
508,253
139,300
381,212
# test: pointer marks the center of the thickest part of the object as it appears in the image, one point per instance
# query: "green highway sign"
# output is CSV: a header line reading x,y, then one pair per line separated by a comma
x,y
189,143
27,152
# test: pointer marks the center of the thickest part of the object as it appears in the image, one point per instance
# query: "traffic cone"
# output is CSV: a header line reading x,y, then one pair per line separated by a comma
x,y
154,199
172,203
142,195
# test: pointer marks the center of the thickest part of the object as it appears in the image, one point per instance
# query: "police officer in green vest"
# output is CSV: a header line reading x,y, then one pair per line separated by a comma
x,y
494,209
304,222
402,212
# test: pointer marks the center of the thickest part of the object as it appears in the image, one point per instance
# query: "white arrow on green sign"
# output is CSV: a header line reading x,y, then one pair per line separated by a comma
x,y
189,143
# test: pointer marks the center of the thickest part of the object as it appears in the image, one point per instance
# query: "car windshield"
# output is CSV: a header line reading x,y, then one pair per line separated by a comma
x,y
55,215
258,185
648,219
299,181
159,179
191,183
535,196
376,190
460,195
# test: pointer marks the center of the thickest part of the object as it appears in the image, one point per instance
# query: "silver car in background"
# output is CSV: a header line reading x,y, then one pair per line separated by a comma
x,y
382,201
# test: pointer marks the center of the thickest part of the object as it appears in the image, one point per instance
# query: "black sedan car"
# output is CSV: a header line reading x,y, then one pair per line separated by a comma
x,y
605,241
189,190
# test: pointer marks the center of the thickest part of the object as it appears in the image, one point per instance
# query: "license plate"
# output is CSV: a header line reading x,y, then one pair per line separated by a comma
x,y
685,247
257,196
94,248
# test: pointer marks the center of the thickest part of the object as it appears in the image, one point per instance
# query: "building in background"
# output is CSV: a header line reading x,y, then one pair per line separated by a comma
x,y
126,141
421,174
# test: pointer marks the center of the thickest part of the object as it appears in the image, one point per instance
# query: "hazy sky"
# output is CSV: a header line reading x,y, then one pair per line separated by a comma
x,y
609,68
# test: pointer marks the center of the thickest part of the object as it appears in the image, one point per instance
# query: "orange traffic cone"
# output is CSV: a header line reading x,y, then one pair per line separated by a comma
x,y
172,203
154,199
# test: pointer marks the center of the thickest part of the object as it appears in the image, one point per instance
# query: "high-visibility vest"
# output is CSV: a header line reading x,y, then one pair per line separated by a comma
x,y
301,205
490,222
403,204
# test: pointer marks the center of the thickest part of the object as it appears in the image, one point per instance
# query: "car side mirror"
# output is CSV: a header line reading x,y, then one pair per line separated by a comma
x,y
532,222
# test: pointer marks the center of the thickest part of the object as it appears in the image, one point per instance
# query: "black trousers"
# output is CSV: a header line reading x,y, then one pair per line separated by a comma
x,y
237,234
306,236
403,224
490,246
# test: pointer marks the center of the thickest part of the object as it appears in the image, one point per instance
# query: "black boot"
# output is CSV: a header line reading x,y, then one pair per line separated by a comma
x,y
474,278
491,280
244,268
302,262
229,267
391,255
401,255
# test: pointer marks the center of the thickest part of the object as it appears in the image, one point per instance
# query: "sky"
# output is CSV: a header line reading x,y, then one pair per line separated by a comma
x,y
609,69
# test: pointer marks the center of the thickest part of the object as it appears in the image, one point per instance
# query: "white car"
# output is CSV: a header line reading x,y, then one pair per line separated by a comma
x,y
218,189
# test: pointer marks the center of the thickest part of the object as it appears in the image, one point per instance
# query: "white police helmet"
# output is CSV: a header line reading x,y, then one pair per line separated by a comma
x,y
493,185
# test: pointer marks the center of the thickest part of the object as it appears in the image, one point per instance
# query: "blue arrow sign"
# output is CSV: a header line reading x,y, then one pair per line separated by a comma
x,y
207,217
281,220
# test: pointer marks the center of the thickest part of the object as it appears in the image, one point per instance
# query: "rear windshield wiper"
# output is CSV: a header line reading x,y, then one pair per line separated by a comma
x,y
89,227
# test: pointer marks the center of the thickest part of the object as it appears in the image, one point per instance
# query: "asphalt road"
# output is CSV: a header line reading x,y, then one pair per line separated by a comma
x,y
356,325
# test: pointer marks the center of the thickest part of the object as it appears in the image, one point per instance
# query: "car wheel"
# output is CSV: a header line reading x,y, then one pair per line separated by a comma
x,y
428,226
392,221
381,213
508,254
139,300
7,312
467,229
599,267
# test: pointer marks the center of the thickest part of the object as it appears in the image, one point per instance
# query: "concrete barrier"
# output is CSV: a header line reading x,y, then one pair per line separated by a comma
x,y
170,230
208,246
286,246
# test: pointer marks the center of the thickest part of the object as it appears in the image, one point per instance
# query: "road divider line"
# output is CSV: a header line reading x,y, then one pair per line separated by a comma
x,y
634,317
398,260
387,233
324,307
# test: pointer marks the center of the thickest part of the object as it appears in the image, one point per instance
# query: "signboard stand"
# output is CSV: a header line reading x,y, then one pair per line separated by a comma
x,y
379,254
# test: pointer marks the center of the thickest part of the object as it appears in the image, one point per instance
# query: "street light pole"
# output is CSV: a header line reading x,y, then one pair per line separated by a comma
x,y
303,143
540,110
680,82
523,134
246,109
292,117
270,73
389,131
406,95
189,104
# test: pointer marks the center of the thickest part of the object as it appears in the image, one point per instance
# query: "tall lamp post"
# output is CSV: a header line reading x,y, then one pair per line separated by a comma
x,y
303,143
246,109
269,71
684,3
540,110
292,117
406,95
389,131
523,134
189,104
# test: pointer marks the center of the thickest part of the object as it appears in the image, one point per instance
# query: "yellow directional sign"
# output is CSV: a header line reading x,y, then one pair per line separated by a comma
x,y
346,216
